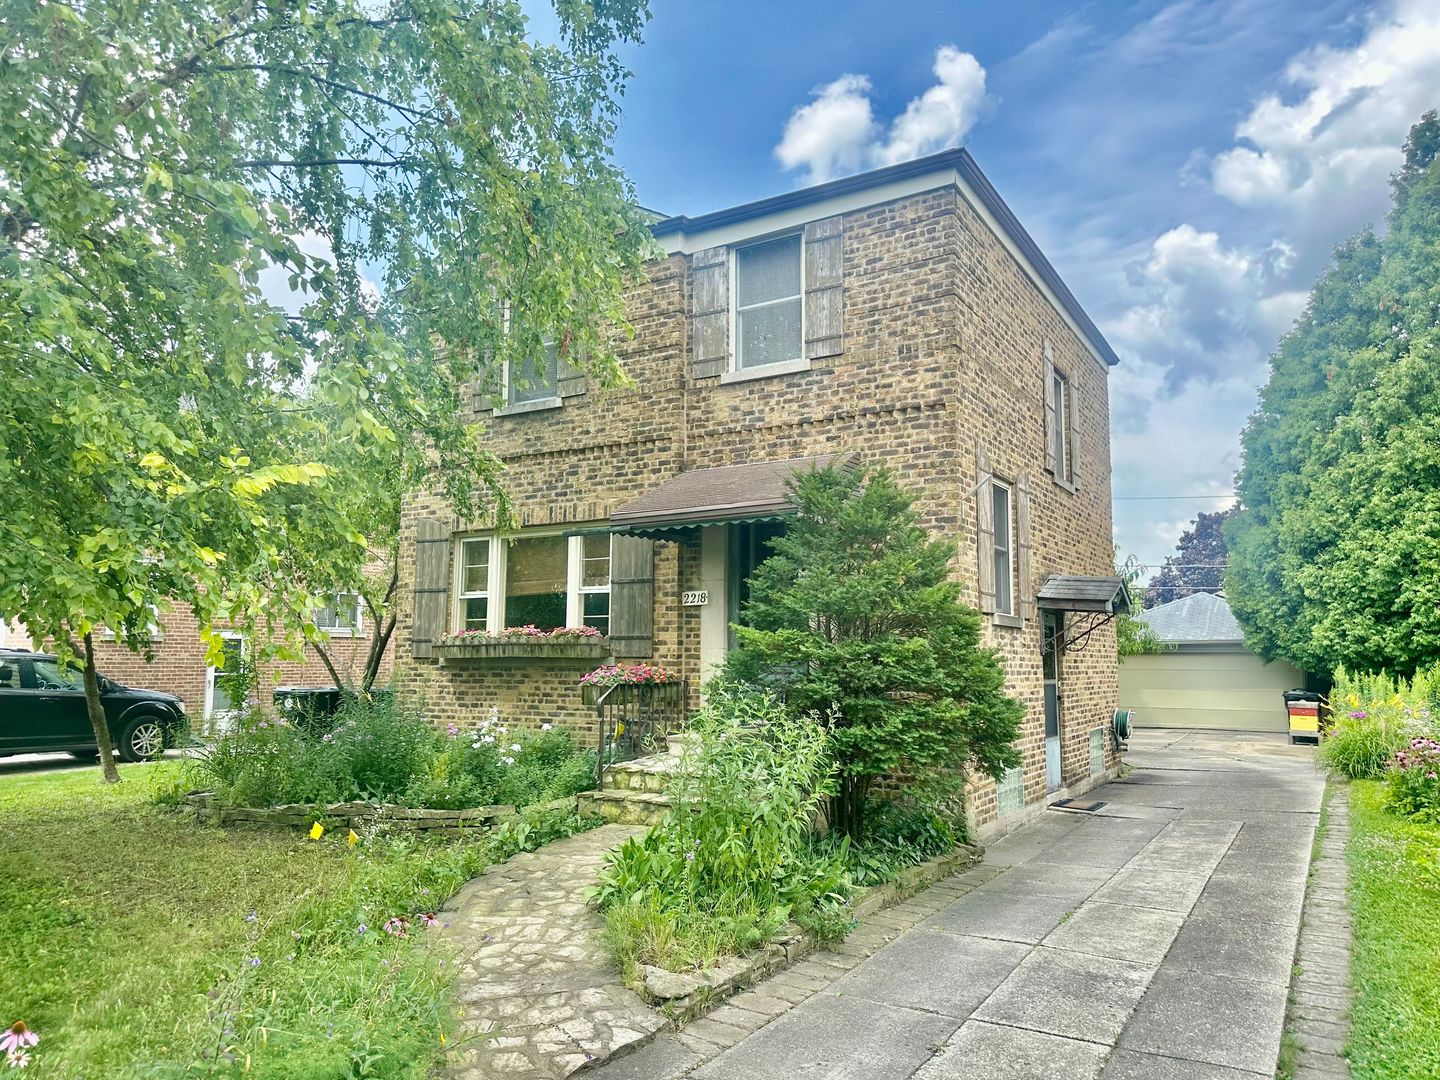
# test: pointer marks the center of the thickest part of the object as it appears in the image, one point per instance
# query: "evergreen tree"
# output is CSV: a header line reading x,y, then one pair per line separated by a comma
x,y
1335,553
856,618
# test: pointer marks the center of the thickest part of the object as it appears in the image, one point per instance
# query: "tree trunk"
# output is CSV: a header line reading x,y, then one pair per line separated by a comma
x,y
108,770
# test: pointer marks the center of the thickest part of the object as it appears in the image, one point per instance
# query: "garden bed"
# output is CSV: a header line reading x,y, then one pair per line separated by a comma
x,y
356,815
685,996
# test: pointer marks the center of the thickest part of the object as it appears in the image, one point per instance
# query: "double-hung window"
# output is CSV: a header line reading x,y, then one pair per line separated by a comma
x,y
1059,418
340,616
546,581
769,304
533,379
473,608
1002,501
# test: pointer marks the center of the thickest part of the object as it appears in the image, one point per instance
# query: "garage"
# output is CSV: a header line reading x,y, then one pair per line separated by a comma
x,y
1207,679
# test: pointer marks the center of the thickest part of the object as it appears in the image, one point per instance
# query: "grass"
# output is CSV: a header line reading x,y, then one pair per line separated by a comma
x,y
140,944
1395,893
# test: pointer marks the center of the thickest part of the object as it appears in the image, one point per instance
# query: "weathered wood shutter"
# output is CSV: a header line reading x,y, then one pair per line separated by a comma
x,y
569,378
984,533
710,312
824,289
432,565
1051,449
1072,459
632,595
1024,546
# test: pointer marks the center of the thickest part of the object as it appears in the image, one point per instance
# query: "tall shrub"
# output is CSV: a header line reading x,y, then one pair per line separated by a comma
x,y
856,618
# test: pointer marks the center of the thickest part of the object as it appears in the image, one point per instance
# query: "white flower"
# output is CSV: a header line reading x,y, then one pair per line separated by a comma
x,y
546,727
475,745
486,739
515,747
507,761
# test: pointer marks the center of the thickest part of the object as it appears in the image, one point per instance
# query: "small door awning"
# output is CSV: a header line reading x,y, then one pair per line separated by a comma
x,y
1077,592
756,491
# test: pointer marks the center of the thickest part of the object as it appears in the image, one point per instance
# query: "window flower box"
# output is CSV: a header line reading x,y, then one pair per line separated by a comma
x,y
594,684
524,642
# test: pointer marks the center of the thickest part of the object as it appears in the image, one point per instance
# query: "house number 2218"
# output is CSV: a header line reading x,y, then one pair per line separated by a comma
x,y
698,598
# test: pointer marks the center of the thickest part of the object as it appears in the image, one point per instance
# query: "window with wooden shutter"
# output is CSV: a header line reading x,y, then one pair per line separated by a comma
x,y
984,534
710,312
432,557
632,596
824,289
1023,548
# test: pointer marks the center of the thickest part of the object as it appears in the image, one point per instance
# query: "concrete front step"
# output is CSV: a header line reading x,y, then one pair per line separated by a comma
x,y
625,807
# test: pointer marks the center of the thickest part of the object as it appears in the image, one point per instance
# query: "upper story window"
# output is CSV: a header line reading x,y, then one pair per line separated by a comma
x,y
533,380
769,303
341,615
1002,501
1060,429
546,581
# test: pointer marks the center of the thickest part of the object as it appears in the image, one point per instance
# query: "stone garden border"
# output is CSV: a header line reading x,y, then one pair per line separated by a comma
x,y
360,814
683,997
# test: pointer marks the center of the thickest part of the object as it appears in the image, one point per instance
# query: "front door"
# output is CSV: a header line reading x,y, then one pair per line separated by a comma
x,y
1052,627
749,546
220,708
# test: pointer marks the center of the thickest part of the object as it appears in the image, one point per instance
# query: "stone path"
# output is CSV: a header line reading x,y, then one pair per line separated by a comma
x,y
538,994
1152,942
1320,995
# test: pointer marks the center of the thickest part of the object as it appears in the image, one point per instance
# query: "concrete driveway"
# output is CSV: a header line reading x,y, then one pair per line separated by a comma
x,y
1153,941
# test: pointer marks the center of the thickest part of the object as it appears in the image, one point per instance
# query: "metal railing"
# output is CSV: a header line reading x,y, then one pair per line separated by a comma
x,y
634,720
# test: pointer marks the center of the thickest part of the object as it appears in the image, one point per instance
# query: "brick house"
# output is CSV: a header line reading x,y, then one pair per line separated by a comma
x,y
903,317
179,664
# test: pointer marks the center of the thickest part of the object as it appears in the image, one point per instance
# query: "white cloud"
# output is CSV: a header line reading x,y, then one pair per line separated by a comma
x,y
1321,158
837,132
1204,310
831,135
942,115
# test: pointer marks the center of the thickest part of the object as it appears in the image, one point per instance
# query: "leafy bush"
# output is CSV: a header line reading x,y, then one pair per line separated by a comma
x,y
733,860
1374,717
382,752
1414,780
899,835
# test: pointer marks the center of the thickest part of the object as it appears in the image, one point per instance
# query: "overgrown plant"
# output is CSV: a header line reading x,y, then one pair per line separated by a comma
x,y
1374,717
857,618
383,752
733,860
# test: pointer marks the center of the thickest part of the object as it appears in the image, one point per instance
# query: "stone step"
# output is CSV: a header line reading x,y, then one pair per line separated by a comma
x,y
645,774
625,807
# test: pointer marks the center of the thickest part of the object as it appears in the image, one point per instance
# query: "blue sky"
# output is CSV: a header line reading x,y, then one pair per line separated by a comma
x,y
1187,166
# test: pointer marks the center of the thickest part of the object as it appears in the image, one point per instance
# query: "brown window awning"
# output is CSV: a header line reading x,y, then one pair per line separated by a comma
x,y
756,491
1075,592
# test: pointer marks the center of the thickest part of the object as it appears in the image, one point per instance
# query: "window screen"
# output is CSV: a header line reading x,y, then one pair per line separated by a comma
x,y
768,302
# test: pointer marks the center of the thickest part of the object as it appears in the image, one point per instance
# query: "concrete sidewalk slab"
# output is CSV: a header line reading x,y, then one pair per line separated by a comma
x,y
1067,993
938,972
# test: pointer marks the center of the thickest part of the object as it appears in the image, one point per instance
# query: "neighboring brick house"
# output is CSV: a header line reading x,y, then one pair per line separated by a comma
x,y
179,665
903,318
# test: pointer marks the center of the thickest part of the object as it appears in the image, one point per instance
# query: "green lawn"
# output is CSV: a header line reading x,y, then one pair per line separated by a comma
x,y
1395,892
130,945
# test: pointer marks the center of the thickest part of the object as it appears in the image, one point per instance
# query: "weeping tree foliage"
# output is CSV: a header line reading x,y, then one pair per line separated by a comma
x,y
1133,637
856,618
254,256
1335,553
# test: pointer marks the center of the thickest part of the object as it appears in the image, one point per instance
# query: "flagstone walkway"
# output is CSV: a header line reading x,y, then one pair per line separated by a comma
x,y
539,997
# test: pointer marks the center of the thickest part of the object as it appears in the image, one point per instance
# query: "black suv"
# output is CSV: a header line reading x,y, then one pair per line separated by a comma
x,y
42,710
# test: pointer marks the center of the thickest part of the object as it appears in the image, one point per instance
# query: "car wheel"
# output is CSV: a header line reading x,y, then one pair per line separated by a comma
x,y
143,740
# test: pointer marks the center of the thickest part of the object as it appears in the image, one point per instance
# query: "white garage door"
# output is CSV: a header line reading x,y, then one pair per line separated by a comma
x,y
1232,690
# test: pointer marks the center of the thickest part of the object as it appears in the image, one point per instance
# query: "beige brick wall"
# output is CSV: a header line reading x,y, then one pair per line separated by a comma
x,y
944,349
